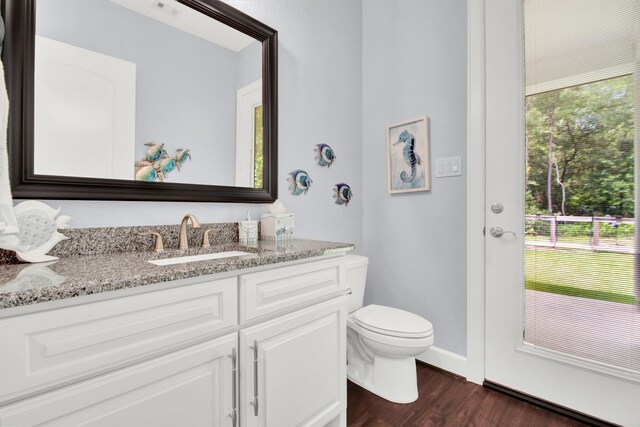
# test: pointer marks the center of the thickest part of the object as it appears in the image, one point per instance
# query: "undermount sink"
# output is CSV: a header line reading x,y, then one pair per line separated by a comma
x,y
194,258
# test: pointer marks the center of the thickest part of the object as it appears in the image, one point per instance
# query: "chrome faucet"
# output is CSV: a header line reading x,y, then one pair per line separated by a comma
x,y
183,242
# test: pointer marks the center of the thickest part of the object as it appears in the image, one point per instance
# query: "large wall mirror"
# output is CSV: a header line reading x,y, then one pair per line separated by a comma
x,y
170,100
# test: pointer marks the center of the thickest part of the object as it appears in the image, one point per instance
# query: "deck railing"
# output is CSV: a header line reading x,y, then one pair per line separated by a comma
x,y
606,233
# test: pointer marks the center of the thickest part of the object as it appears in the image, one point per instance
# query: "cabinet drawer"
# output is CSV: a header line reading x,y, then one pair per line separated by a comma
x,y
283,289
47,349
190,387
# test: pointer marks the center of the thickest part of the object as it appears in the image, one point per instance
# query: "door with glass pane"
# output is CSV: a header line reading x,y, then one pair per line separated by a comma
x,y
249,133
563,321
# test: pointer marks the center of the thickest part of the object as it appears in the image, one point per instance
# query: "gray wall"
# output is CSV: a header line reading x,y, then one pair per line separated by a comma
x,y
248,61
185,86
320,100
414,63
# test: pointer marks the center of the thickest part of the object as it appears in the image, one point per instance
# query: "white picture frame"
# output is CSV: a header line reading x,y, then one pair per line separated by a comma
x,y
408,156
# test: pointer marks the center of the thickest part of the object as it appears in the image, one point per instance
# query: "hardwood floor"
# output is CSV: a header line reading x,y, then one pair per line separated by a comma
x,y
446,400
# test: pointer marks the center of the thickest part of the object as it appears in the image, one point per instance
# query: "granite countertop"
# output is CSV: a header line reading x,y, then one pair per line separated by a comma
x,y
76,275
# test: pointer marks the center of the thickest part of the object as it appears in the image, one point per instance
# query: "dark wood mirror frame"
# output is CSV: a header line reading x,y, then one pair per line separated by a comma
x,y
18,58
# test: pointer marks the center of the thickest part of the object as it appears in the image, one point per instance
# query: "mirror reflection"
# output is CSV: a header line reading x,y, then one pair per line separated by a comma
x,y
147,90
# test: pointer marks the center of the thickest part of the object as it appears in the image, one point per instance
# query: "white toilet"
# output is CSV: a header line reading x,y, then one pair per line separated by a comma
x,y
382,342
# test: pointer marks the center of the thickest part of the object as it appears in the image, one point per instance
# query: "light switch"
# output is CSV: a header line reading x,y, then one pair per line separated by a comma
x,y
448,166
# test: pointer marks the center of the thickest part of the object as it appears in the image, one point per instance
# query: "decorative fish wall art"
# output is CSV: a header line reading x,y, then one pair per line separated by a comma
x,y
300,182
157,164
342,193
324,155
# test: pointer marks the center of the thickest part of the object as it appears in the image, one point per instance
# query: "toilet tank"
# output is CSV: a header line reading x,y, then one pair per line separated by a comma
x,y
356,267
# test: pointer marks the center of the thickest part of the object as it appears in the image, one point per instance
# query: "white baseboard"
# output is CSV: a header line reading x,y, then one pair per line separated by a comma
x,y
445,360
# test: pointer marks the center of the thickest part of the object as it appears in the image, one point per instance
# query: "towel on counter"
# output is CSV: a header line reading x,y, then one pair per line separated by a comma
x,y
8,222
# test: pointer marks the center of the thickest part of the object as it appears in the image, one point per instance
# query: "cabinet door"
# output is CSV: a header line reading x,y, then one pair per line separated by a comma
x,y
192,387
294,368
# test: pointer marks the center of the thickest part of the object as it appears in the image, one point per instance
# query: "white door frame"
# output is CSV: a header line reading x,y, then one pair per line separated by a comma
x,y
476,174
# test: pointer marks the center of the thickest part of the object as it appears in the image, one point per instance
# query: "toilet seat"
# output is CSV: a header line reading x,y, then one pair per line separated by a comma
x,y
391,340
392,322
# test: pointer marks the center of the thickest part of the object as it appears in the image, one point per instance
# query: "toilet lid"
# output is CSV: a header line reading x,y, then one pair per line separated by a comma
x,y
392,321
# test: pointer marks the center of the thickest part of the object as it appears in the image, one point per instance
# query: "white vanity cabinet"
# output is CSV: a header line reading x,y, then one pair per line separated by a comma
x,y
265,348
294,368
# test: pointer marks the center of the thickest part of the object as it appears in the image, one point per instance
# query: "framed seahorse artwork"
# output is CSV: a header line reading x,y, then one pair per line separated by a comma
x,y
408,156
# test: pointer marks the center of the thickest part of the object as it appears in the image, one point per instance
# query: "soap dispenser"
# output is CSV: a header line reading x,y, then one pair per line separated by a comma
x,y
248,230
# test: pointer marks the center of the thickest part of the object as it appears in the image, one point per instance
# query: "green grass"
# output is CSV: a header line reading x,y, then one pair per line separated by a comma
x,y
597,275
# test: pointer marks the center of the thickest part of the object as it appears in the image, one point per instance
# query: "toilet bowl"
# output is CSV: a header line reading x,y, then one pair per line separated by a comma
x,y
382,342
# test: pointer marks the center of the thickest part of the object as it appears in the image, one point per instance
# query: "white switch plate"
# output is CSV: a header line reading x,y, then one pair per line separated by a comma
x,y
449,166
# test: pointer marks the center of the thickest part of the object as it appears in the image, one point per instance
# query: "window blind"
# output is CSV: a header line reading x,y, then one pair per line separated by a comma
x,y
582,264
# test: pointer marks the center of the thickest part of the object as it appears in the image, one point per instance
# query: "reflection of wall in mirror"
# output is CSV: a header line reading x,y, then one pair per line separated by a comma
x,y
185,86
249,65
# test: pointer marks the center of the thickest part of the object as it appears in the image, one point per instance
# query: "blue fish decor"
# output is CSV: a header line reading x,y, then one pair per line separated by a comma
x,y
324,155
181,156
155,151
342,193
146,173
167,165
409,154
157,164
300,182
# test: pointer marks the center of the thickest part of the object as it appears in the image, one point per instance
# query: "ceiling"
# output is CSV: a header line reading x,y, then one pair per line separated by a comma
x,y
186,19
570,42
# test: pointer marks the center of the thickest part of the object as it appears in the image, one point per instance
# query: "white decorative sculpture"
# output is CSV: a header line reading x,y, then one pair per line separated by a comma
x,y
38,230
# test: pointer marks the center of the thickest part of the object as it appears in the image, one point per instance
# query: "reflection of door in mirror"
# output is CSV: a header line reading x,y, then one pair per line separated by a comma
x,y
178,92
249,136
258,147
84,112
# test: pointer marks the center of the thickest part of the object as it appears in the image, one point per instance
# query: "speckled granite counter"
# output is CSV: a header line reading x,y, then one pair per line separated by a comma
x,y
72,276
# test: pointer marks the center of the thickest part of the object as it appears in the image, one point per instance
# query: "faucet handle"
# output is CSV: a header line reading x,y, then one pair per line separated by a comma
x,y
205,237
158,239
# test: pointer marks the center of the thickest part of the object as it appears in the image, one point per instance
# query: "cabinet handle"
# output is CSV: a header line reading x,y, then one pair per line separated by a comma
x,y
255,377
234,380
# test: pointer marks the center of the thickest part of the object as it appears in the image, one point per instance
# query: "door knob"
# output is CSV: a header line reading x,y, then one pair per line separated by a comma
x,y
498,232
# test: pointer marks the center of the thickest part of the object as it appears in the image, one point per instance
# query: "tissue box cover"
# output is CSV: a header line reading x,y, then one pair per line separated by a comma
x,y
276,226
248,231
